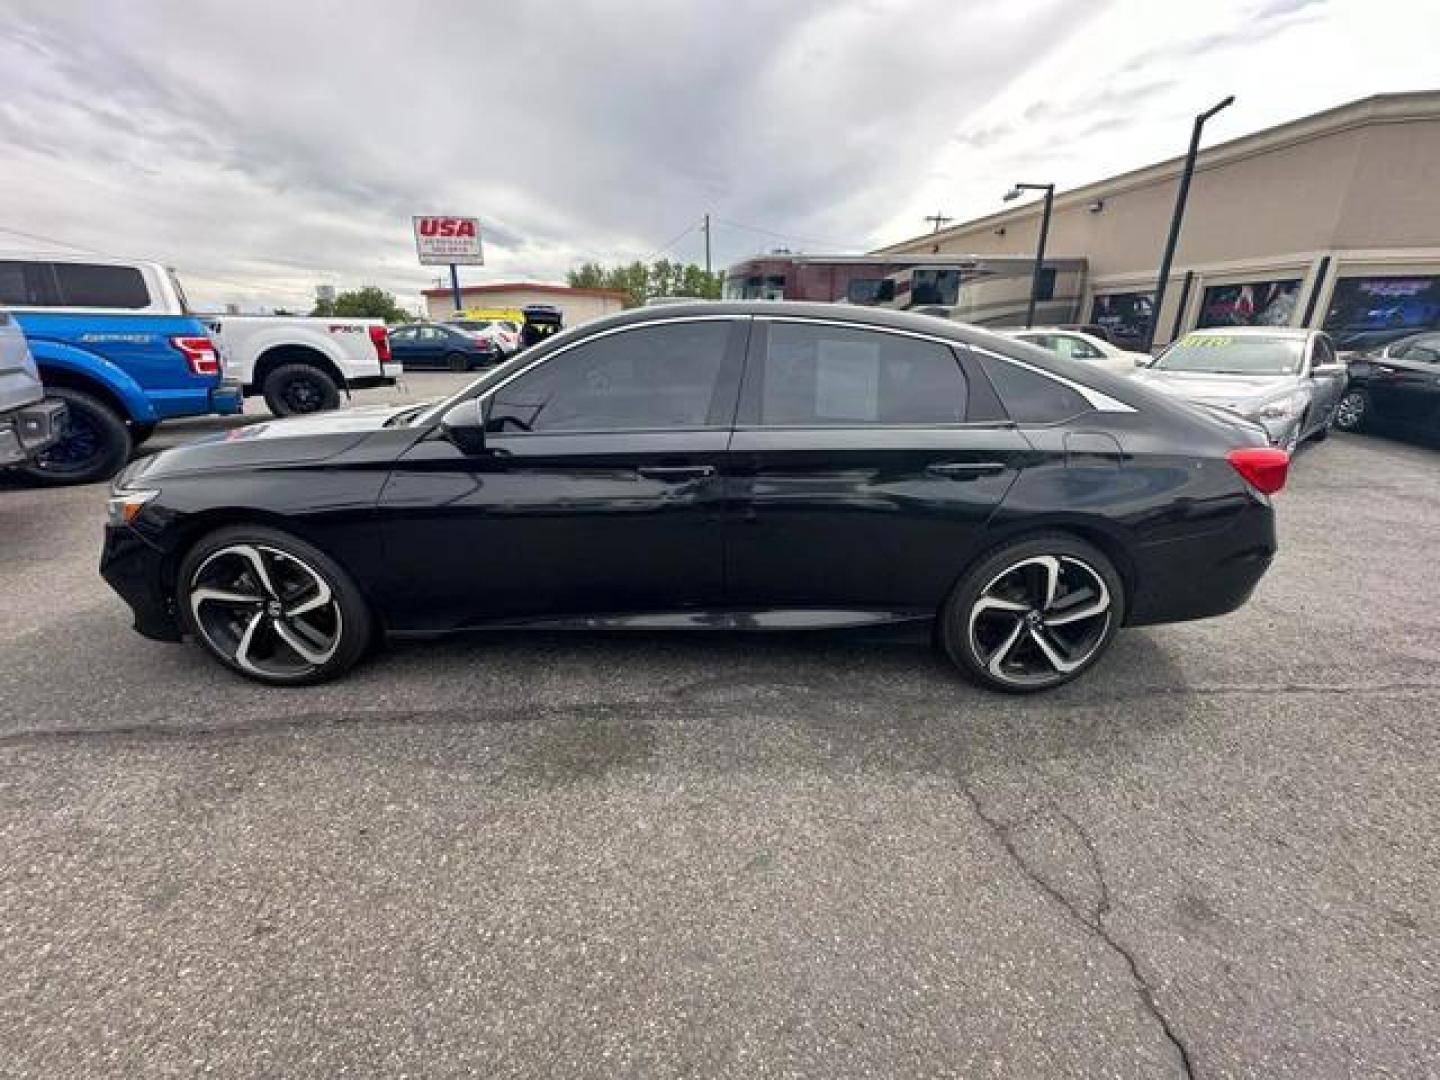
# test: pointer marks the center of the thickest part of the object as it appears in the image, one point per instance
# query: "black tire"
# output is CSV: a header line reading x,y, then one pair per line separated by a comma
x,y
1353,411
140,432
298,389
457,361
1015,575
219,627
96,445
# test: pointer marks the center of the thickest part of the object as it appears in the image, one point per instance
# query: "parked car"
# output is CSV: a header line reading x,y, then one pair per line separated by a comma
x,y
1398,385
1083,347
115,341
438,345
1289,381
744,465
502,337
29,424
303,365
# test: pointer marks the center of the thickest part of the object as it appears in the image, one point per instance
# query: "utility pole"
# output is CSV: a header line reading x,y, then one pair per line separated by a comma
x,y
939,219
1176,218
707,243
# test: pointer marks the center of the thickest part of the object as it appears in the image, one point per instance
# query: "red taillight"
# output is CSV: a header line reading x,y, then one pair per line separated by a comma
x,y
199,353
1262,467
380,338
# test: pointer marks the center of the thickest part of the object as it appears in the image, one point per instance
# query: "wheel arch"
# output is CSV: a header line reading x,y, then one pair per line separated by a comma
x,y
279,355
70,379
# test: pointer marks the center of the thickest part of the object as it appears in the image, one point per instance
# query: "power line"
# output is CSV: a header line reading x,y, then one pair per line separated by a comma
x,y
680,236
787,236
48,240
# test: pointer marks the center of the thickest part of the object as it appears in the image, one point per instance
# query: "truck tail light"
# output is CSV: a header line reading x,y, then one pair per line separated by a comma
x,y
380,337
199,353
1262,467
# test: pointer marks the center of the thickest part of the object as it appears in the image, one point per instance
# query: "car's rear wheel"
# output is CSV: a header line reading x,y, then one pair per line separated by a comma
x,y
457,361
1033,614
1353,411
96,444
272,606
297,389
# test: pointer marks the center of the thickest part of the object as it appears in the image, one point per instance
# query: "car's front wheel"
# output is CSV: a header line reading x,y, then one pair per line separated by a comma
x,y
271,606
1033,614
1353,411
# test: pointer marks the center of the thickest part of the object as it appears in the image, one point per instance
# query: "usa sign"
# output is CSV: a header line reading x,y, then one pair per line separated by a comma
x,y
443,241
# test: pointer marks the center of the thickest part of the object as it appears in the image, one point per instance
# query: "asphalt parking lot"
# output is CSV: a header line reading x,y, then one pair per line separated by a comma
x,y
1218,854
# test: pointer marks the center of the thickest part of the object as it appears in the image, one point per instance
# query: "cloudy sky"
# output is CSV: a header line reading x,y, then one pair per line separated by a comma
x,y
264,147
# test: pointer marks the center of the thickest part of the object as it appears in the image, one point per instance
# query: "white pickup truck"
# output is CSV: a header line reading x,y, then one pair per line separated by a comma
x,y
303,365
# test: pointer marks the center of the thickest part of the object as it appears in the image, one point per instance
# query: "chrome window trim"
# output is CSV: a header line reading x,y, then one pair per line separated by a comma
x,y
1099,401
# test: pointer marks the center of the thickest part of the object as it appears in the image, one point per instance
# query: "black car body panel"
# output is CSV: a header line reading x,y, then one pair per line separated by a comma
x,y
731,521
1402,382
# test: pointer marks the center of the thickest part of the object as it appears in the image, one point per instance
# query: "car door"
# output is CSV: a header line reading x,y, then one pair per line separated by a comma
x,y
1411,395
865,465
599,492
403,345
1328,377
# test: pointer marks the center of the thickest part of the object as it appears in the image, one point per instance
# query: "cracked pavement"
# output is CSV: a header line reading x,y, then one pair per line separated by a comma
x,y
679,855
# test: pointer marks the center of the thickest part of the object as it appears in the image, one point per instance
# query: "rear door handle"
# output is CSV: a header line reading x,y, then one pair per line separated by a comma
x,y
965,470
676,472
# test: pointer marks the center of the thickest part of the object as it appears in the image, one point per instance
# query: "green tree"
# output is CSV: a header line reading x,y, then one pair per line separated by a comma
x,y
640,282
369,302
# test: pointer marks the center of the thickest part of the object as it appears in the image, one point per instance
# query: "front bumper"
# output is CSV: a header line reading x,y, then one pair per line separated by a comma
x,y
134,569
29,431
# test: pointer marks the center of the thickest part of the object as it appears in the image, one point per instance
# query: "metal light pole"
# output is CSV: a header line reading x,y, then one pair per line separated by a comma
x,y
1014,193
1176,218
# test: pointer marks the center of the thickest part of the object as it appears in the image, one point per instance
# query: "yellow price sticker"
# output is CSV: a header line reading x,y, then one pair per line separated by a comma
x,y
1206,341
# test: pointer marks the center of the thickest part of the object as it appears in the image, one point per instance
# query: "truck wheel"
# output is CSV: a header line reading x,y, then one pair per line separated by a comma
x,y
95,447
295,389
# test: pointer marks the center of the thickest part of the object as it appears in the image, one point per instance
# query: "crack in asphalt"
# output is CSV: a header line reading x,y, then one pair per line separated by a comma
x,y
1092,922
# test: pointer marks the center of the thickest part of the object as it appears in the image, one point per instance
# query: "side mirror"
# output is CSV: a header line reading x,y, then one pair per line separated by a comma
x,y
464,425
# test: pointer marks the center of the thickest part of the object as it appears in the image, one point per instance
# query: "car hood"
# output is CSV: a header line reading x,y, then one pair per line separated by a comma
x,y
296,441
1242,393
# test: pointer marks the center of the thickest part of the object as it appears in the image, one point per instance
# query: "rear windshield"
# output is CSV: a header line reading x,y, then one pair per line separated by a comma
x,y
1218,354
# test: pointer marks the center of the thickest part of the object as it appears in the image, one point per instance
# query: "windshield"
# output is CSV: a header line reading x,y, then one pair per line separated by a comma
x,y
1218,354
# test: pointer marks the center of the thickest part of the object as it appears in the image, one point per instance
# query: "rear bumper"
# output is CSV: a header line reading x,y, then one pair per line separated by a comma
x,y
28,431
133,569
1207,574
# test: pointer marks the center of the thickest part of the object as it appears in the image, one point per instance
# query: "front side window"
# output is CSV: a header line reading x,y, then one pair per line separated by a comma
x,y
1125,316
657,378
1260,303
1028,396
96,286
815,375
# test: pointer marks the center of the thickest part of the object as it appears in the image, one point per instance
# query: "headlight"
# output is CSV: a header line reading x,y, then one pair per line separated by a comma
x,y
122,506
1281,410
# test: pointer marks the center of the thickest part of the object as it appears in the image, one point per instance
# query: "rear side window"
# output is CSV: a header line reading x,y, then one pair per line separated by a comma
x,y
1031,398
26,284
815,375
93,285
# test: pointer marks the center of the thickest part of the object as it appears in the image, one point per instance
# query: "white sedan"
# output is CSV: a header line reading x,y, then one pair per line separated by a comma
x,y
1086,348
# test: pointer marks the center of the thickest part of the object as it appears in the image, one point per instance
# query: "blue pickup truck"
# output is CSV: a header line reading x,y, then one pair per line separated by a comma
x,y
115,341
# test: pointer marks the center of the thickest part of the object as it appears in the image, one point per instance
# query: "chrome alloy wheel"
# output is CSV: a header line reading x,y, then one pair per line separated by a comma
x,y
267,611
1351,411
1040,620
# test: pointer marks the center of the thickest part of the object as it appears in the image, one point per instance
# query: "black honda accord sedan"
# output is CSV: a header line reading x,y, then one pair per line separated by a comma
x,y
758,465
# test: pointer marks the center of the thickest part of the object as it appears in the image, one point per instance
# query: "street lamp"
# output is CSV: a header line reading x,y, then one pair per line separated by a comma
x,y
1014,193
1177,217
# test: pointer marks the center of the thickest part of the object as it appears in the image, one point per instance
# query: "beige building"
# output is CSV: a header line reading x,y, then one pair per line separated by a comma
x,y
1332,220
577,305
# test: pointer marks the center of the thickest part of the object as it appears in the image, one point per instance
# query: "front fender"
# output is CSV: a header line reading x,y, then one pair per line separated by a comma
x,y
94,368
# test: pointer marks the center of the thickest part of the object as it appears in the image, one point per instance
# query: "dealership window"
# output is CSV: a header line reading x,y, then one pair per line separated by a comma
x,y
931,285
870,290
1367,312
1124,315
826,376
654,378
1256,303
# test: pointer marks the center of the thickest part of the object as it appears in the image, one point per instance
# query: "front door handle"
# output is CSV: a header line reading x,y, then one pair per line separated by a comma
x,y
676,472
965,470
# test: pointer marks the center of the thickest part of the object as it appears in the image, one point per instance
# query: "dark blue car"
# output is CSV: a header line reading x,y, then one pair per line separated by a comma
x,y
435,345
